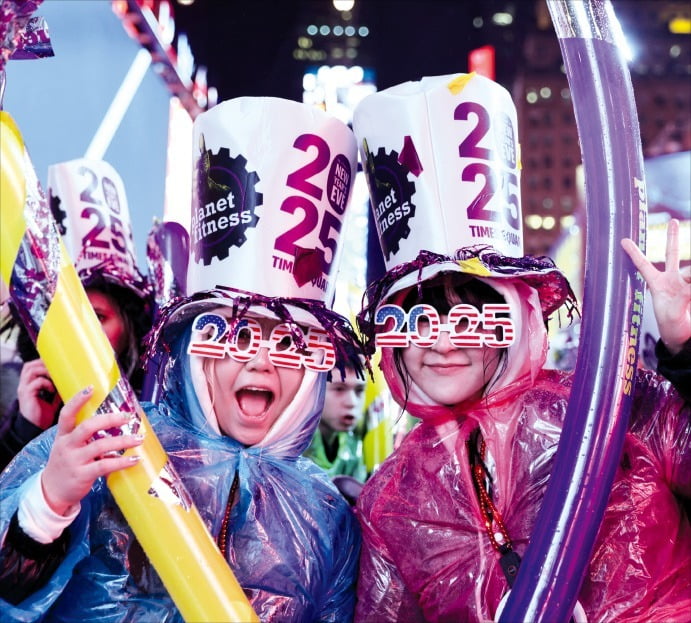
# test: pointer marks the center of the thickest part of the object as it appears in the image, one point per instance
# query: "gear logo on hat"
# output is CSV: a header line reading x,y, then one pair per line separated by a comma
x,y
224,204
391,192
59,215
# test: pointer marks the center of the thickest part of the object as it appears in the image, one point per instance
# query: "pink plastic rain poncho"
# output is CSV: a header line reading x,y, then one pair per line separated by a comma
x,y
426,554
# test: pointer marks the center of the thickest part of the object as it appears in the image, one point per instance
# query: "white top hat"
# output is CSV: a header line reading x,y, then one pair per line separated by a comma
x,y
89,204
273,178
272,181
442,162
441,158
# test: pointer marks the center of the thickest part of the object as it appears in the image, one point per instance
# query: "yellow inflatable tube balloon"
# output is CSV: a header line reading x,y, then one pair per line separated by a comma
x,y
150,494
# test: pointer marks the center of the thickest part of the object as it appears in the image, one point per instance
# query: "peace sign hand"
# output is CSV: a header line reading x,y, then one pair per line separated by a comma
x,y
670,290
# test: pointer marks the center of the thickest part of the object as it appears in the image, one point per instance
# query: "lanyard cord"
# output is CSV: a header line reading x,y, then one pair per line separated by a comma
x,y
492,519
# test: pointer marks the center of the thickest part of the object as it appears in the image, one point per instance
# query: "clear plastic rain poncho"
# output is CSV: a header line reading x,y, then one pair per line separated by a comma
x,y
293,541
426,553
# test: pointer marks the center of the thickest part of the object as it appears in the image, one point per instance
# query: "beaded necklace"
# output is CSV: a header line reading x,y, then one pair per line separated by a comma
x,y
223,534
496,530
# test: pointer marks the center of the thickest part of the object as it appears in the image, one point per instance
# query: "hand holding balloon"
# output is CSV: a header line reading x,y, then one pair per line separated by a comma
x,y
77,459
670,290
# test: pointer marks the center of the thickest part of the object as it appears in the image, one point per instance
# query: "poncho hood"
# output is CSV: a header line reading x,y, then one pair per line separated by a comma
x,y
186,397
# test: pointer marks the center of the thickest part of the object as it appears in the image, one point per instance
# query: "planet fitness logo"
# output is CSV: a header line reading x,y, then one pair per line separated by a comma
x,y
223,206
391,193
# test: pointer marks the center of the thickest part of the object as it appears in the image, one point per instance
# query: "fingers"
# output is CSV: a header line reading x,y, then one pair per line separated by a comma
x,y
33,368
672,250
33,372
31,385
640,261
686,273
109,465
108,451
99,426
104,455
66,421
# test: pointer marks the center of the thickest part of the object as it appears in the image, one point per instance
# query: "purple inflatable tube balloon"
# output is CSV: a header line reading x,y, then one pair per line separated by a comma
x,y
556,561
167,255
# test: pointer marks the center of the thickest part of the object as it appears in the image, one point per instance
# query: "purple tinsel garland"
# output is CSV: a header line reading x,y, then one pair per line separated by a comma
x,y
21,34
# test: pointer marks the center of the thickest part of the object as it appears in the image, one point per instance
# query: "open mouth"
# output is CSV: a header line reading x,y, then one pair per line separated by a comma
x,y
254,402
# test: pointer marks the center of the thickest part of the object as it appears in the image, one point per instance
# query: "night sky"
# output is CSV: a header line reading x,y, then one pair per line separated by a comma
x,y
247,46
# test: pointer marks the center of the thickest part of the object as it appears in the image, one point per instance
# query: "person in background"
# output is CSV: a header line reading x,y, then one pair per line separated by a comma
x,y
118,292
449,515
249,353
335,447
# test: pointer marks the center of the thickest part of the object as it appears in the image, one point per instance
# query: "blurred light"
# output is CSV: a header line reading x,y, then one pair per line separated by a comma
x,y
312,30
363,31
531,97
545,93
185,58
186,2
356,74
351,53
565,94
350,31
200,86
119,105
680,25
337,88
319,94
548,222
304,42
675,51
533,221
338,30
547,203
179,161
502,19
337,52
324,30
478,22
309,82
568,221
212,97
310,55
343,5
482,61
166,24
120,8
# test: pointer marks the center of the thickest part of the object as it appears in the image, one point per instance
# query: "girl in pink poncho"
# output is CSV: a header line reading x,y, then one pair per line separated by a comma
x,y
446,514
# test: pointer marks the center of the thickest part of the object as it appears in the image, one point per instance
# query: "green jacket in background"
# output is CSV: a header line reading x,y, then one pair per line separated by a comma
x,y
348,461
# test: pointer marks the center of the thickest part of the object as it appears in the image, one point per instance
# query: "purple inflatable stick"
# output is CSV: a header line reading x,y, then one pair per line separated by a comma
x,y
597,417
167,252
